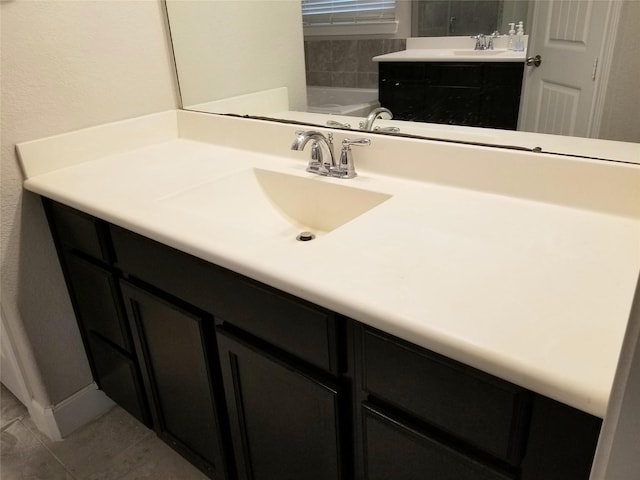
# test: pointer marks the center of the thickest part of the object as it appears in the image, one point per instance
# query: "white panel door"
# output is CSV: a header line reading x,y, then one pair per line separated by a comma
x,y
559,95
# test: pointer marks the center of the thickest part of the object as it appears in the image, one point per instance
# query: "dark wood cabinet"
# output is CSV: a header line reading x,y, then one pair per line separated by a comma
x,y
475,94
174,343
454,421
479,409
279,357
249,382
95,290
561,442
299,328
84,251
118,376
286,421
396,451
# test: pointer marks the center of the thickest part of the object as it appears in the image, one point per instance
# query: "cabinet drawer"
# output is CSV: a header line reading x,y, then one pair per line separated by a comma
x,y
117,375
96,297
295,326
405,71
396,451
479,409
77,230
455,74
504,75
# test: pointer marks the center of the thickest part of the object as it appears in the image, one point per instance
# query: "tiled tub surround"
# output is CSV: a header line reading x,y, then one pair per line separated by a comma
x,y
346,63
520,264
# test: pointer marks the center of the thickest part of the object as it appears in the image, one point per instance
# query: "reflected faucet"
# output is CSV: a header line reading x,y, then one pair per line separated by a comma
x,y
485,42
373,116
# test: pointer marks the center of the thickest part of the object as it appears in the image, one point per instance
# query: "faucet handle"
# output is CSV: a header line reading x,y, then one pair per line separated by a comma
x,y
387,129
362,142
346,168
333,123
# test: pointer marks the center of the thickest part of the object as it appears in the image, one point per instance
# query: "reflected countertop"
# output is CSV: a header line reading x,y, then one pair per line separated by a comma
x,y
454,49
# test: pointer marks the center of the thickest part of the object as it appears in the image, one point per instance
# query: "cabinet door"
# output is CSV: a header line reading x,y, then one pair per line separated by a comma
x,y
395,451
117,375
174,342
562,442
285,422
401,89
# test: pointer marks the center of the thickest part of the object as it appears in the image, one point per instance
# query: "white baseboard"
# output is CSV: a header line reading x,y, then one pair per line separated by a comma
x,y
72,413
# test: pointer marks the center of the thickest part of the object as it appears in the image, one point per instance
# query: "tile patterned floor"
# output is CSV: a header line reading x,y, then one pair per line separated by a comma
x,y
113,447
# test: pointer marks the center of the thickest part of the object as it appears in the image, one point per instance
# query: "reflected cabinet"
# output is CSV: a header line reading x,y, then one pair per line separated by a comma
x,y
474,94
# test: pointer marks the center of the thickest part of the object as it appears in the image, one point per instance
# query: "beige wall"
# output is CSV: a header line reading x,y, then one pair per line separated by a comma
x,y
216,59
65,65
621,115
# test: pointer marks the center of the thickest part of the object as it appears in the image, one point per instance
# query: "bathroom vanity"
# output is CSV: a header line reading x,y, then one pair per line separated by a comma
x,y
444,80
259,357
474,94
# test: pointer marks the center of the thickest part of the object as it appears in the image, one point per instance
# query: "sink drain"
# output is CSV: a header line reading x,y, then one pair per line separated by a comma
x,y
305,236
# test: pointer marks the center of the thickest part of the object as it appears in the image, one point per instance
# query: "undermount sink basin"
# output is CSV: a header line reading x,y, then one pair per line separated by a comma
x,y
478,52
270,203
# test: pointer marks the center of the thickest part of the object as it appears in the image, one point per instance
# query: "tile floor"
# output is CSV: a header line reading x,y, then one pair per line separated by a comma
x,y
114,446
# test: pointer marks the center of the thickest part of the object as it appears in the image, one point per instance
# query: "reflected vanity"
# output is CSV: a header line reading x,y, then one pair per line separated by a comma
x,y
265,73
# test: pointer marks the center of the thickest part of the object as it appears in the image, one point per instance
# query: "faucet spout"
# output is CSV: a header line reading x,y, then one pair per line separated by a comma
x,y
373,116
322,158
322,161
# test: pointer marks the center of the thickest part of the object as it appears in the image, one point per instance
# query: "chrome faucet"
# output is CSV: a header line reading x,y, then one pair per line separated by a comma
x,y
322,160
480,41
485,42
373,116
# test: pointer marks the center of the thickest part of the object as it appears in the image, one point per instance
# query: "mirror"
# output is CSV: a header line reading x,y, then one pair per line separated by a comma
x,y
247,57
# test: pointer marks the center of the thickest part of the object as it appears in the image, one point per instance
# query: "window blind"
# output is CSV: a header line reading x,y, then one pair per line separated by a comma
x,y
335,12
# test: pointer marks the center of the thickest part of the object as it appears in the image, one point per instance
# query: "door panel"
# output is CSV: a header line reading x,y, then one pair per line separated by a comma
x,y
559,95
284,422
396,451
173,342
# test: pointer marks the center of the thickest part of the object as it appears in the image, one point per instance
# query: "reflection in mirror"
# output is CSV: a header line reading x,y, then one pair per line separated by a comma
x,y
229,49
255,57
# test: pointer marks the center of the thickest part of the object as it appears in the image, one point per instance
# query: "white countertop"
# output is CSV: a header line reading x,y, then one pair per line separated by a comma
x,y
450,55
454,49
530,283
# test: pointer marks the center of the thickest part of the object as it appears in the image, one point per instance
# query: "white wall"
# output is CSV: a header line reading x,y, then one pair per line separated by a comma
x,y
65,65
618,453
621,115
216,59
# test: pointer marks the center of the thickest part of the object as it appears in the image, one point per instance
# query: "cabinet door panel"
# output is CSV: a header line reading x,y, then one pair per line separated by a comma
x,y
118,376
173,343
394,451
284,423
477,408
97,300
78,230
562,442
